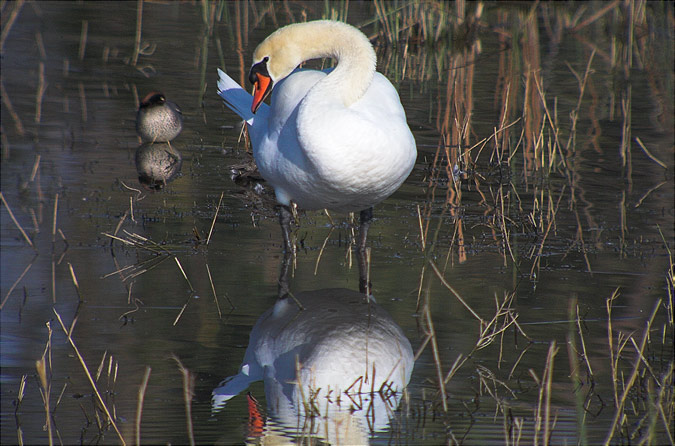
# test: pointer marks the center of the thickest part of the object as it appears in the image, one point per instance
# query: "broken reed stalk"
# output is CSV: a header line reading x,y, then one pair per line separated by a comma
x,y
20,394
583,343
646,194
455,293
610,338
75,282
16,223
582,88
619,412
505,233
648,153
101,365
44,371
56,207
419,219
83,101
543,408
323,247
45,391
83,39
594,17
213,222
17,281
213,290
550,121
139,406
88,374
188,394
137,42
191,289
183,272
42,87
551,221
8,24
10,109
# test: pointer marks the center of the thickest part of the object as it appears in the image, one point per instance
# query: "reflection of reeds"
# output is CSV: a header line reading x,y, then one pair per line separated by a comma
x,y
42,87
83,39
542,414
139,27
103,406
139,406
7,25
188,394
639,367
15,116
44,370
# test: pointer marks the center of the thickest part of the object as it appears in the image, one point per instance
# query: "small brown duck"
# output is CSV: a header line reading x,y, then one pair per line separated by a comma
x,y
158,120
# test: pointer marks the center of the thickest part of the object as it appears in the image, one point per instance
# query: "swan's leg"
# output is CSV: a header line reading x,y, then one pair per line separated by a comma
x,y
283,275
364,284
285,217
366,217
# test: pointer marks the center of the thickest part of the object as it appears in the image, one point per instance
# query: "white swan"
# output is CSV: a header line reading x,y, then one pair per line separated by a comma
x,y
339,346
335,139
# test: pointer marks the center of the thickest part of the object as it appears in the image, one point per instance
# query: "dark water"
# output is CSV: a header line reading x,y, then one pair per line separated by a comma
x,y
603,227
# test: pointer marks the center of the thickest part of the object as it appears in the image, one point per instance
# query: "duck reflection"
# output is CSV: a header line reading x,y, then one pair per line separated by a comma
x,y
333,362
157,164
158,121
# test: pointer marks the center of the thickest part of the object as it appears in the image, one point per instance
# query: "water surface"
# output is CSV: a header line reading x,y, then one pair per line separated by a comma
x,y
554,236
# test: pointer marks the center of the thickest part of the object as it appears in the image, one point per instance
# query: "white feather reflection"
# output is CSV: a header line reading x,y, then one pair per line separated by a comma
x,y
340,361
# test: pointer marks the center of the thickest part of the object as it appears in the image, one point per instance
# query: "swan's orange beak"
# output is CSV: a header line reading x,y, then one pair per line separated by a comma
x,y
262,87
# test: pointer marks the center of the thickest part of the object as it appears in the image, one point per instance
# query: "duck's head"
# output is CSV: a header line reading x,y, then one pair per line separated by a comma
x,y
152,99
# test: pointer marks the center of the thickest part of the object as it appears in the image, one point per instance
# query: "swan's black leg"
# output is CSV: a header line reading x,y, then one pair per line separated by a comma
x,y
364,284
285,218
283,275
366,217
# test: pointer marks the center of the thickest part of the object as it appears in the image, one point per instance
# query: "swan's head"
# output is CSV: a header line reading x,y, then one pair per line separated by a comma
x,y
282,51
274,59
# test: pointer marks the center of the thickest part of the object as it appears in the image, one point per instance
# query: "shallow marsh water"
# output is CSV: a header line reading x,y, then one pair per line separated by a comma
x,y
550,238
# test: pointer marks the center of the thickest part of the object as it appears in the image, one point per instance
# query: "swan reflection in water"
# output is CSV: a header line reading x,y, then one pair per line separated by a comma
x,y
334,365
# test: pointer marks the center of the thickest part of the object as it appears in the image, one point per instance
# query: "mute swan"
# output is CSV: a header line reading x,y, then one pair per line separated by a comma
x,y
335,139
158,120
339,346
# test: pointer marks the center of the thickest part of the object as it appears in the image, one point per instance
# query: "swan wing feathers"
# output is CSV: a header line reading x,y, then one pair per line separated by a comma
x,y
237,99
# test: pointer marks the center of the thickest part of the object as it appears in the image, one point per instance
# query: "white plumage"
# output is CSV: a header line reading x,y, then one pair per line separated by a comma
x,y
335,139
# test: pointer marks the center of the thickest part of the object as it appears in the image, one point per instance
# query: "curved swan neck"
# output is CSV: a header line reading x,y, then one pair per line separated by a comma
x,y
291,45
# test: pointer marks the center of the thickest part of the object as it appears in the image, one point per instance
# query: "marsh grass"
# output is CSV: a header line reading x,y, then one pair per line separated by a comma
x,y
548,149
524,169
